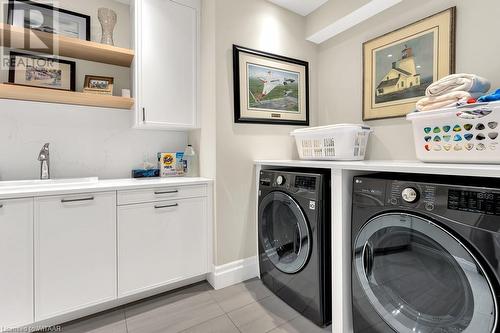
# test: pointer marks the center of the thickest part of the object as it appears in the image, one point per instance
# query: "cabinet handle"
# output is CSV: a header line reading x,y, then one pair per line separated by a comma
x,y
144,115
166,206
77,200
166,192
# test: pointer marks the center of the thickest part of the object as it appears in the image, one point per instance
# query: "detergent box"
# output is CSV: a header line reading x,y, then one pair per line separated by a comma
x,y
171,164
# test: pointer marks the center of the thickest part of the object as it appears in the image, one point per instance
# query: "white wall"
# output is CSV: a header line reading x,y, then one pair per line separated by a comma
x,y
204,139
260,25
84,141
340,65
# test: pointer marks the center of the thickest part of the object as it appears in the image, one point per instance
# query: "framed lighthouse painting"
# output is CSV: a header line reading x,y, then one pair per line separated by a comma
x,y
399,66
270,89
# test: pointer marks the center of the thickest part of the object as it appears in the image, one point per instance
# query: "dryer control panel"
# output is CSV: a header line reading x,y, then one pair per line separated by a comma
x,y
474,201
307,185
412,195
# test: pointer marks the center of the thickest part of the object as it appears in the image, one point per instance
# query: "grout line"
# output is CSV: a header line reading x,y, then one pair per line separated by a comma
x,y
231,320
203,322
254,301
125,318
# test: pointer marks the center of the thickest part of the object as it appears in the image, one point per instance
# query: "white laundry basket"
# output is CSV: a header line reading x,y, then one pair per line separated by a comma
x,y
468,134
335,142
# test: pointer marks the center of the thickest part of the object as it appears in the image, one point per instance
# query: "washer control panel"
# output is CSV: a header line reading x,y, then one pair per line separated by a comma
x,y
412,195
289,181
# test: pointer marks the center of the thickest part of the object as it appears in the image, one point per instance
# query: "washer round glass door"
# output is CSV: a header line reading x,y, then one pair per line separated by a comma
x,y
420,278
284,232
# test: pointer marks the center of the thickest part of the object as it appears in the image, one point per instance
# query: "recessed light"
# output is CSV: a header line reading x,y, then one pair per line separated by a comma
x,y
389,56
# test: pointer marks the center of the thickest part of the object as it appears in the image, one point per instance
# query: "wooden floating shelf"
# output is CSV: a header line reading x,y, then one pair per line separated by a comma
x,y
15,37
10,91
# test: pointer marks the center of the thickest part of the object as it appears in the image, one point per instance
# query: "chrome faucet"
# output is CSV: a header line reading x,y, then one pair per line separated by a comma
x,y
44,158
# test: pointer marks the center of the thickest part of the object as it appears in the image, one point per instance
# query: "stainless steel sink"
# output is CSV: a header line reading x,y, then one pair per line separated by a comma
x,y
4,185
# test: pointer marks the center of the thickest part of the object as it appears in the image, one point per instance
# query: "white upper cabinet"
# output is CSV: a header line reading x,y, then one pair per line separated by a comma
x,y
16,262
166,66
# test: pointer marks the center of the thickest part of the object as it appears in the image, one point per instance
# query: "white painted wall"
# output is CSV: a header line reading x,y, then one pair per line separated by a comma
x,y
84,141
340,65
204,139
260,25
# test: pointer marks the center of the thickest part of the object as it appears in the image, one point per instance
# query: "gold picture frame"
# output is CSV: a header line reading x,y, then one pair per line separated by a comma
x,y
400,65
100,85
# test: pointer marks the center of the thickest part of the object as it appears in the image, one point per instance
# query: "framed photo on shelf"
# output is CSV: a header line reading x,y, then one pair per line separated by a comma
x,y
101,85
399,66
269,88
42,17
42,72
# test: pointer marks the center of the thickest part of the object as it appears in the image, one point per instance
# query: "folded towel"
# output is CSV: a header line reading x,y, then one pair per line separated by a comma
x,y
444,101
490,98
458,82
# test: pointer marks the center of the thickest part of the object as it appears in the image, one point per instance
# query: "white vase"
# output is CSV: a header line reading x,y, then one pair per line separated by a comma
x,y
107,17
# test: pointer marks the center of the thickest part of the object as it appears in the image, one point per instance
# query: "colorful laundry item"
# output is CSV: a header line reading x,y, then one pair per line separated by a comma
x,y
490,98
444,101
458,82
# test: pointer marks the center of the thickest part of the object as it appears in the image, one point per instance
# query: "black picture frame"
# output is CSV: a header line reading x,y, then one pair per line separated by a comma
x,y
12,69
11,7
237,50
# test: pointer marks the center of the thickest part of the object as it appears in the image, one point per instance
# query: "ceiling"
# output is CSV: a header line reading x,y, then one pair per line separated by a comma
x,y
301,7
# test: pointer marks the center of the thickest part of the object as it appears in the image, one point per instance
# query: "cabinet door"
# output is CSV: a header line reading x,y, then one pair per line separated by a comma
x,y
161,243
167,68
16,262
75,252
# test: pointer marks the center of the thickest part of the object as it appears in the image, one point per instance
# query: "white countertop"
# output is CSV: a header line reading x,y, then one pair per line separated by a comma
x,y
99,186
473,170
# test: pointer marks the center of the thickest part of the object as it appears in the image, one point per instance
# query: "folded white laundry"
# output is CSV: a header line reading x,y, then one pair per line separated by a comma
x,y
458,82
443,101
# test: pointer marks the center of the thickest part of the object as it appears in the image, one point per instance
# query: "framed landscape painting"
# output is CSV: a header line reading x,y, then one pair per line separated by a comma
x,y
399,66
41,72
270,89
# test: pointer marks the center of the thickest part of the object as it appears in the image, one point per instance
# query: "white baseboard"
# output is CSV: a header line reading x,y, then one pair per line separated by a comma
x,y
234,272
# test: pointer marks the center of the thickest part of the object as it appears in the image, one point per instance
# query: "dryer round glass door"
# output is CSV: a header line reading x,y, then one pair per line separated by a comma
x,y
284,232
420,278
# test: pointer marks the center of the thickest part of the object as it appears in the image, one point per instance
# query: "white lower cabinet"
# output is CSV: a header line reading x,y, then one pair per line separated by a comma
x,y
16,262
75,252
161,243
67,255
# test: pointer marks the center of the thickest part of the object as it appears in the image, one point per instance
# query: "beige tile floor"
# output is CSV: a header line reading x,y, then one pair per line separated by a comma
x,y
247,307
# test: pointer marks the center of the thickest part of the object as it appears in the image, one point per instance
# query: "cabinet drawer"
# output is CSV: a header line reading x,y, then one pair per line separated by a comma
x,y
161,193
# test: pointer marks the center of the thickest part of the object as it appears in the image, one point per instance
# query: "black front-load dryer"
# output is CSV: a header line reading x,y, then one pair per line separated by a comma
x,y
294,240
425,254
